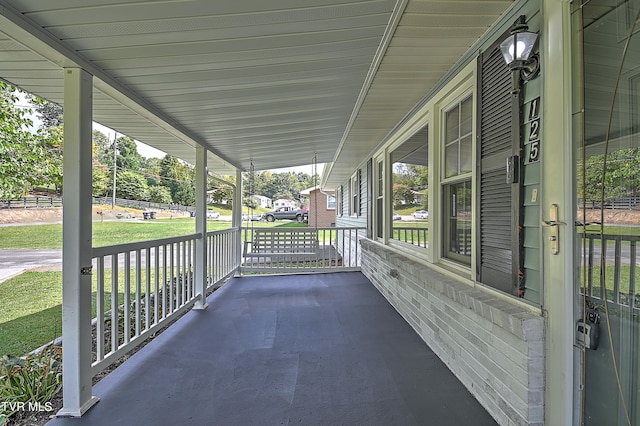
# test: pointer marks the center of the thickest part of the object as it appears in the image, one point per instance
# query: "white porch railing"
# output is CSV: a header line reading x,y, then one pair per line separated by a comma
x,y
293,250
140,287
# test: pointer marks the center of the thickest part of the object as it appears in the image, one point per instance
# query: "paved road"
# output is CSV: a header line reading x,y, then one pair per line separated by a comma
x,y
15,262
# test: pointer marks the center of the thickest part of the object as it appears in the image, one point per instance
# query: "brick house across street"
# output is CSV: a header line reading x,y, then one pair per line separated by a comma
x,y
322,206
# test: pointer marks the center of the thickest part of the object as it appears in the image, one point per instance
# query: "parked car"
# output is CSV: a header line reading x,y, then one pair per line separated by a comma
x,y
257,216
212,214
396,216
290,213
245,216
421,214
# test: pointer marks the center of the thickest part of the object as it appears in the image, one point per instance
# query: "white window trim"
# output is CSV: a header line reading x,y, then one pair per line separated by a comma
x,y
464,90
335,202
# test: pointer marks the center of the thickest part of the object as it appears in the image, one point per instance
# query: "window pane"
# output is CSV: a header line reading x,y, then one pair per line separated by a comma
x,y
452,118
458,226
451,160
331,202
465,154
410,178
466,117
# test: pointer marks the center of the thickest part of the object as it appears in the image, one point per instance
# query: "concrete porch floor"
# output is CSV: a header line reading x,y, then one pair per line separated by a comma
x,y
323,349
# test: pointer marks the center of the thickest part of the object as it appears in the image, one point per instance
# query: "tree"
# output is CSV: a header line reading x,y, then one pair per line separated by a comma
x,y
104,154
50,113
128,157
151,168
178,177
131,186
20,150
52,141
402,194
185,194
221,192
159,194
101,182
622,177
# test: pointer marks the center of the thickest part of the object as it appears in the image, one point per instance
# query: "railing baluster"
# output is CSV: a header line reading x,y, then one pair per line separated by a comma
x,y
171,278
100,309
114,302
616,270
632,273
138,293
156,297
590,266
126,326
190,281
603,263
165,284
147,289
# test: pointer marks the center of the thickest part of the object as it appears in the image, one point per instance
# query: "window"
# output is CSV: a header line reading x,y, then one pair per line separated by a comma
x,y
354,193
379,199
331,202
410,179
457,190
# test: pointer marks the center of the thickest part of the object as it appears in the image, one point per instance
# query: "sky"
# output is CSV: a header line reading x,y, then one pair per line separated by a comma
x,y
143,149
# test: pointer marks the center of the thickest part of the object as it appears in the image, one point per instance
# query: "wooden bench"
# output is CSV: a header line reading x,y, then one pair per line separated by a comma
x,y
291,243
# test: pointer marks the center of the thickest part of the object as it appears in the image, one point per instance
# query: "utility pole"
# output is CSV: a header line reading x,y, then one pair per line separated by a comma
x,y
115,152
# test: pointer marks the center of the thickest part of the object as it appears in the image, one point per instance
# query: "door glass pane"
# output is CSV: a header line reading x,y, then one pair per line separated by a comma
x,y
608,209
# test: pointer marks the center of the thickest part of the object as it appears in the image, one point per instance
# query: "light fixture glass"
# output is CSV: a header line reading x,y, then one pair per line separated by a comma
x,y
518,47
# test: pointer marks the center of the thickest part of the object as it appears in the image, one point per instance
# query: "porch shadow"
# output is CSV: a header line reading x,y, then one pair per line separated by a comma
x,y
320,349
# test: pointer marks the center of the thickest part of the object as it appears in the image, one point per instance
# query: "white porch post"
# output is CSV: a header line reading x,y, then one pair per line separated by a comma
x,y
77,244
201,227
236,219
237,216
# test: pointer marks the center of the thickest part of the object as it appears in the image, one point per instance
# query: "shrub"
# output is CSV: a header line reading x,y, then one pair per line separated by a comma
x,y
30,379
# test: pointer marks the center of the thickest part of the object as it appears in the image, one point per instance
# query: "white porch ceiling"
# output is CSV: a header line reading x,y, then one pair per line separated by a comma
x,y
273,82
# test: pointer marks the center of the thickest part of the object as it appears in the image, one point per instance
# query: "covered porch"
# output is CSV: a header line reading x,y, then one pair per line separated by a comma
x,y
313,349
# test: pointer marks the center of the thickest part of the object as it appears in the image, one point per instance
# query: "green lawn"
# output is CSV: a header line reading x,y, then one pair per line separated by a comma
x,y
113,232
104,233
31,311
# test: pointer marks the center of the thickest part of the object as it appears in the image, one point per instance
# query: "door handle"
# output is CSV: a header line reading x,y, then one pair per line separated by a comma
x,y
553,224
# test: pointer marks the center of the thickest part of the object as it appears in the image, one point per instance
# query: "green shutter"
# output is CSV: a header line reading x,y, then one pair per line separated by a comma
x,y
497,197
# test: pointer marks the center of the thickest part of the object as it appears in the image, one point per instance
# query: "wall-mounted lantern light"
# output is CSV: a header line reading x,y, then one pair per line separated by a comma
x,y
517,50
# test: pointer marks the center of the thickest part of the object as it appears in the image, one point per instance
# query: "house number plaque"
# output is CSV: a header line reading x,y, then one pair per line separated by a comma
x,y
532,144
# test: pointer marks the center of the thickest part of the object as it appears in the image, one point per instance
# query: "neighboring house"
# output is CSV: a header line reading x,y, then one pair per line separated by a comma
x,y
322,206
262,201
417,197
284,203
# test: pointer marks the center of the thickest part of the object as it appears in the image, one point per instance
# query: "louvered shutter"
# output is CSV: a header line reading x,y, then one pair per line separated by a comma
x,y
498,199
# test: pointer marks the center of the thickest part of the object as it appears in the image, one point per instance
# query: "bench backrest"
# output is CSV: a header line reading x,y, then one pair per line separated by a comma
x,y
276,241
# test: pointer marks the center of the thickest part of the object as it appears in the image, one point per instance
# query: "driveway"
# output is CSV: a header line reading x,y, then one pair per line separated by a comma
x,y
15,262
